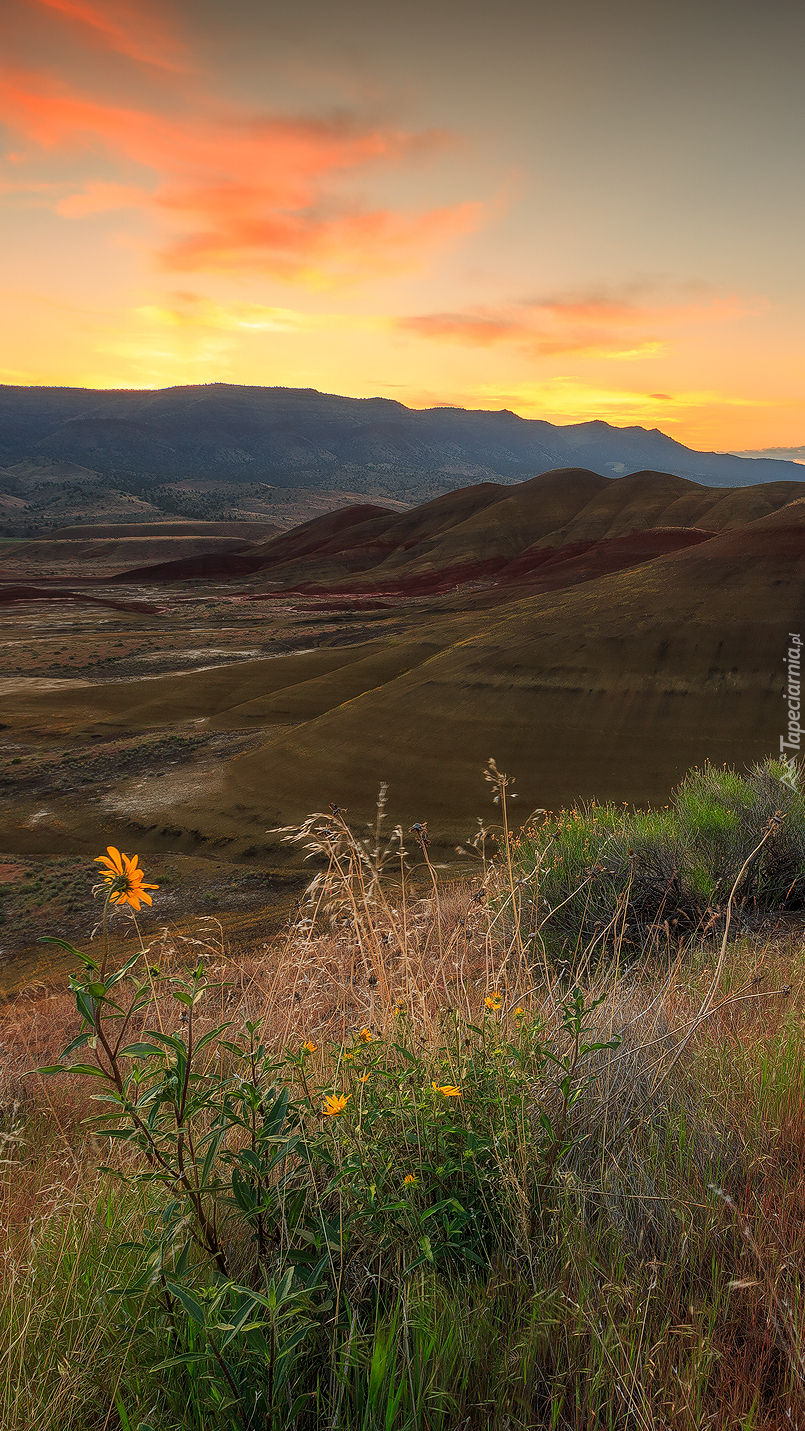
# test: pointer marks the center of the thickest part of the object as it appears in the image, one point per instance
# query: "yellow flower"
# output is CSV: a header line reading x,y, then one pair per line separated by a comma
x,y
494,1002
126,882
409,1180
447,1090
364,1078
348,1057
335,1104
308,1047
519,1013
365,1035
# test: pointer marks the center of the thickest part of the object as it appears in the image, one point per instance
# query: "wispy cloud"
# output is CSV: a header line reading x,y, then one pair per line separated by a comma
x,y
598,324
231,189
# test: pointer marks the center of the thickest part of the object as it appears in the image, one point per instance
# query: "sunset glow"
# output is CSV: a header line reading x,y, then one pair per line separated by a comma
x,y
572,220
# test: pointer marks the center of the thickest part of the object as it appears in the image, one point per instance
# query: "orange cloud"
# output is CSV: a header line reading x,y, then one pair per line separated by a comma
x,y
597,325
241,191
134,31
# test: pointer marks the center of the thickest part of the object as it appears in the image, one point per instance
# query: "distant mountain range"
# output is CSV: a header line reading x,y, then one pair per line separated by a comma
x,y
298,437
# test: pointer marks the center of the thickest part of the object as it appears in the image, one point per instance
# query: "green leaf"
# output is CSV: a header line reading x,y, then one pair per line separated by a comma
x,y
52,1068
78,1042
169,1041
593,1047
86,1008
140,1050
243,1315
213,1034
71,949
90,1070
188,1301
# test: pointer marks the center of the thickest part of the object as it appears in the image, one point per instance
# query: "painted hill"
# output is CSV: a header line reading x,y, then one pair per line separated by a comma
x,y
570,522
608,688
303,438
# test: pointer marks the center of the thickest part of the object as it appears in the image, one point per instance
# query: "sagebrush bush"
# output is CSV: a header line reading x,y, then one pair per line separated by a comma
x,y
608,877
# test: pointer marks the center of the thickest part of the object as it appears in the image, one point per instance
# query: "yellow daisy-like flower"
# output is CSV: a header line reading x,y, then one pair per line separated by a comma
x,y
365,1035
348,1057
364,1078
447,1090
335,1104
519,1013
494,1002
126,881
308,1047
409,1180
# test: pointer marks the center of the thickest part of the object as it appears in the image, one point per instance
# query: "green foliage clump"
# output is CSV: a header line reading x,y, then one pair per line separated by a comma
x,y
609,876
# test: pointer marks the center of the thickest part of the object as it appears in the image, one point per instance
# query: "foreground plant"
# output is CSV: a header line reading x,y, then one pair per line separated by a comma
x,y
269,1175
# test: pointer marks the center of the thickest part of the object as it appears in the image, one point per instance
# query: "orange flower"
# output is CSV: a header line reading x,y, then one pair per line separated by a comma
x,y
126,882
447,1090
335,1104
494,1002
364,1078
308,1047
410,1180
365,1035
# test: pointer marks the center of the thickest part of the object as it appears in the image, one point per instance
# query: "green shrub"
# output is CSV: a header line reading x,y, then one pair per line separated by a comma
x,y
607,876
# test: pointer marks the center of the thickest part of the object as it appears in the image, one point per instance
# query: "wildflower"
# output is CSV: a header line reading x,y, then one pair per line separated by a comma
x,y
334,1104
410,1181
126,882
519,1013
365,1035
308,1047
494,1002
348,1057
364,1078
447,1090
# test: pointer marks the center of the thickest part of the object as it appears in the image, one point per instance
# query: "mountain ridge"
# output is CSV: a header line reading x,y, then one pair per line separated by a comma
x,y
290,437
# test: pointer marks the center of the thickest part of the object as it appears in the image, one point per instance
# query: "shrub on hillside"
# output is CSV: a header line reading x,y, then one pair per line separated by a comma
x,y
608,876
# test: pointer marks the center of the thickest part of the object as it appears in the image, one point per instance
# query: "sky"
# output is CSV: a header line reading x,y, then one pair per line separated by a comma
x,y
573,211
